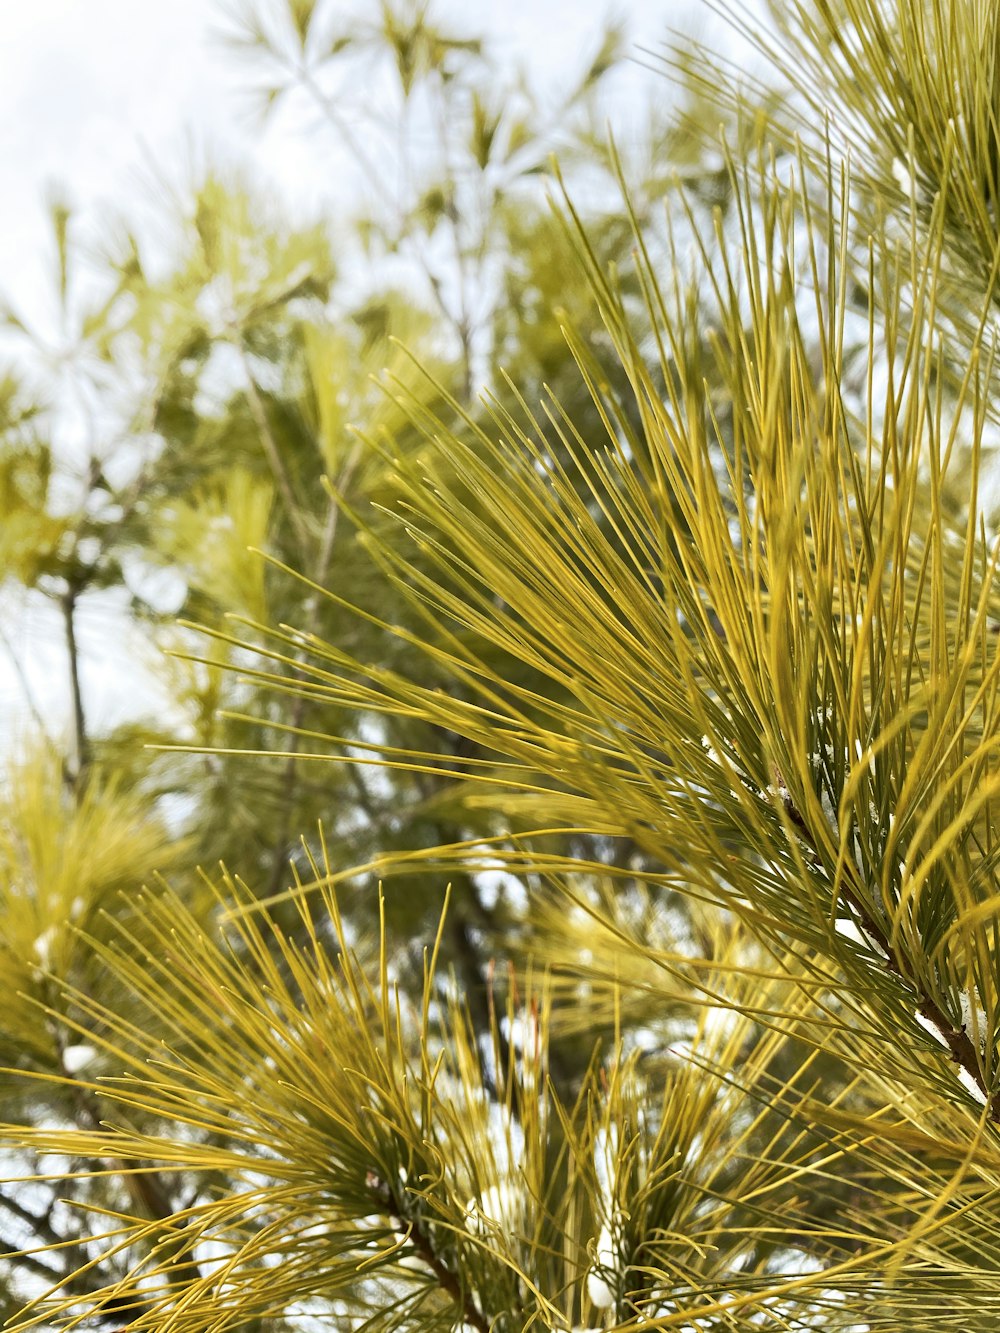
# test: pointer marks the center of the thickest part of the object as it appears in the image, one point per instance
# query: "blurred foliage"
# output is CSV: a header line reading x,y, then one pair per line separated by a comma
x,y
575,634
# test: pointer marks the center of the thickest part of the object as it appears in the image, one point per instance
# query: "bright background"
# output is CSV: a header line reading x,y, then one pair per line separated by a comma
x,y
108,100
114,106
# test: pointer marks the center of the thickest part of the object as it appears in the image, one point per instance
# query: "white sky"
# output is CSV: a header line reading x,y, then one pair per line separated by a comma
x,y
100,99
98,96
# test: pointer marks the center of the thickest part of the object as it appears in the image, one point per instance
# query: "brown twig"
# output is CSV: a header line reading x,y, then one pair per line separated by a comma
x,y
418,1237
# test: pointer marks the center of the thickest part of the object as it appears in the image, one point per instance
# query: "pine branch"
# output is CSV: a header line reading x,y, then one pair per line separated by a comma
x,y
958,1041
418,1236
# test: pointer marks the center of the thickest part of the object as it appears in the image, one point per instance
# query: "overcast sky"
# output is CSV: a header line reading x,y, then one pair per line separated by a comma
x,y
96,98
102,99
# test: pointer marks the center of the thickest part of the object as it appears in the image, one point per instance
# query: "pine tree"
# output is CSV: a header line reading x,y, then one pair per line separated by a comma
x,y
674,693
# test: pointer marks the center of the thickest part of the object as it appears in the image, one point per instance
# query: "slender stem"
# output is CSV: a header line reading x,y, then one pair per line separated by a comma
x,y
80,744
269,444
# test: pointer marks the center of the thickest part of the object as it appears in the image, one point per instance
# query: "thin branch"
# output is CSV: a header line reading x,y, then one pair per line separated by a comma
x,y
30,1263
80,743
40,1223
73,1252
418,1236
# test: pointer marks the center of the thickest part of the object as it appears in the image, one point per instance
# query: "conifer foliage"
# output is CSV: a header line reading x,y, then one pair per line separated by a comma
x,y
603,767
